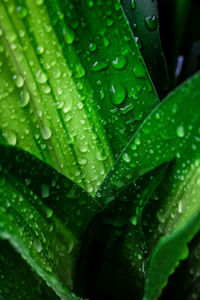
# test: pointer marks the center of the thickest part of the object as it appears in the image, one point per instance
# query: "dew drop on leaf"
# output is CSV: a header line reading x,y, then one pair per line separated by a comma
x,y
106,41
92,47
99,65
11,138
19,81
45,132
133,220
45,191
119,62
151,23
180,131
37,245
24,98
39,2
41,77
132,4
180,207
49,212
46,89
118,93
126,158
80,70
22,11
68,35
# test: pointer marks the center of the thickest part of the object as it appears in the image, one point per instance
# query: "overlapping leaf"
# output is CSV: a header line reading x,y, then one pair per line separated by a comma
x,y
17,280
143,19
173,220
44,216
71,100
171,127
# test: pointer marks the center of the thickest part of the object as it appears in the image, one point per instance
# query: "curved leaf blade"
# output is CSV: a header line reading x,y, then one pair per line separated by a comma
x,y
143,19
60,91
17,280
176,221
170,129
48,242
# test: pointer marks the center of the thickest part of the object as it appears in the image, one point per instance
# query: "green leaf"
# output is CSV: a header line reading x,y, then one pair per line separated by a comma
x,y
44,216
142,16
17,280
175,219
172,127
68,82
184,283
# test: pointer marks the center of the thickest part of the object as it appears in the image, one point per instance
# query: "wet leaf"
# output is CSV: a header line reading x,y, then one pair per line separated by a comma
x,y
172,127
66,85
46,234
174,212
144,22
18,281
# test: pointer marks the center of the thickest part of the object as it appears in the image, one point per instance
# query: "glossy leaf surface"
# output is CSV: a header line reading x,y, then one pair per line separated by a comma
x,y
143,18
65,101
172,127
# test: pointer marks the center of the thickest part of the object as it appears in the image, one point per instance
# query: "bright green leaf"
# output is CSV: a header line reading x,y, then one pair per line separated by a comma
x,y
175,219
172,127
62,93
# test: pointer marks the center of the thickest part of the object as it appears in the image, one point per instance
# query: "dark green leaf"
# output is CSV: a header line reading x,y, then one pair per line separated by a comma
x,y
43,224
142,16
184,283
18,281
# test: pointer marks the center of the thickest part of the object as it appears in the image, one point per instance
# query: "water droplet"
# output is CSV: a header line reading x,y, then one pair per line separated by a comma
x,y
49,212
24,98
11,138
151,23
180,207
39,2
119,62
157,115
40,50
19,81
180,131
80,71
99,65
80,105
160,216
82,161
41,77
106,41
69,35
118,93
22,11
139,70
132,4
126,157
37,245
127,108
46,88
92,47
100,156
45,132
133,220
90,3
45,191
